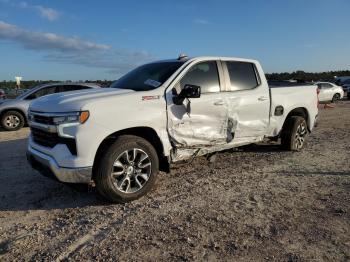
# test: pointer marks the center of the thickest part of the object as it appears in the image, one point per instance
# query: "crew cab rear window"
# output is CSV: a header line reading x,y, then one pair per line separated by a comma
x,y
203,74
242,75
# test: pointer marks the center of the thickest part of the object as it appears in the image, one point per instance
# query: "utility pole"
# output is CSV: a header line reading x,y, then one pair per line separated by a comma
x,y
18,83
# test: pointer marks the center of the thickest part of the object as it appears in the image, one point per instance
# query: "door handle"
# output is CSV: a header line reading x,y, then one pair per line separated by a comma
x,y
262,98
219,103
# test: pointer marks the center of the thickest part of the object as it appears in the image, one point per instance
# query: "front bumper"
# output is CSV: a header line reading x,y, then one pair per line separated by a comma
x,y
47,166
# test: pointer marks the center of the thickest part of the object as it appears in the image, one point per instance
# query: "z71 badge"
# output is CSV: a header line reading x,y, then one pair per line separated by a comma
x,y
150,97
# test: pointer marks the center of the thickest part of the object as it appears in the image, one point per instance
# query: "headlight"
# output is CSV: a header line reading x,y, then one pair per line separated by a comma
x,y
63,123
75,117
66,122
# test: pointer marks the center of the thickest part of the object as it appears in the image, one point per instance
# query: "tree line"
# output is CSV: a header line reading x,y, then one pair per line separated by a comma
x,y
297,75
307,76
26,84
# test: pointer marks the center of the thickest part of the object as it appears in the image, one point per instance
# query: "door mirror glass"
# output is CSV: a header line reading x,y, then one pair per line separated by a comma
x,y
189,91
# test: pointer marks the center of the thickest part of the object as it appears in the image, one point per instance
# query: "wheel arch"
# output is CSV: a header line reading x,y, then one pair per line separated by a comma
x,y
299,111
17,110
147,133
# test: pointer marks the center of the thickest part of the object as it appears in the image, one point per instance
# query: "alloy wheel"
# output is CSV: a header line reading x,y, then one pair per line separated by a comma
x,y
300,136
131,170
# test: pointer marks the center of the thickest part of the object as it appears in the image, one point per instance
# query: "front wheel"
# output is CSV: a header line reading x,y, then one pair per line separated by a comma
x,y
127,169
12,121
294,133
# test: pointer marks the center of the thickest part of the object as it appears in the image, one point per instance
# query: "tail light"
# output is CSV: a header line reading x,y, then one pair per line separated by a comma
x,y
318,92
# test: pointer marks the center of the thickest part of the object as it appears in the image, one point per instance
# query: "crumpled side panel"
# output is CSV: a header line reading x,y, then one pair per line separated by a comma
x,y
210,129
188,128
250,128
274,126
181,154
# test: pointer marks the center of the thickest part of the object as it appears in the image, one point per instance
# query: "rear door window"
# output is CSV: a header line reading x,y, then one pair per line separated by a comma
x,y
243,75
324,86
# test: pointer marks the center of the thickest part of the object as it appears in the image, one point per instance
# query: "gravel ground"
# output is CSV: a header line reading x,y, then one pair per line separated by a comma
x,y
254,203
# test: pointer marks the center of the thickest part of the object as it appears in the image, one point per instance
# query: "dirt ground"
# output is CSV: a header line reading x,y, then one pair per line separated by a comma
x,y
253,204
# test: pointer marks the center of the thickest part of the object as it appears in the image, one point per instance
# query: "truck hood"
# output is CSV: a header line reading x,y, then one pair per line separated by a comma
x,y
74,100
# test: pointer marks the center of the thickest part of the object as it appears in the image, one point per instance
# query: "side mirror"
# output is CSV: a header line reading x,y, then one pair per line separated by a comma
x,y
189,91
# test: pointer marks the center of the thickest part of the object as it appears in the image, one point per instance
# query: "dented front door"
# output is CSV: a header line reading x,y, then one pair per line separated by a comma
x,y
199,121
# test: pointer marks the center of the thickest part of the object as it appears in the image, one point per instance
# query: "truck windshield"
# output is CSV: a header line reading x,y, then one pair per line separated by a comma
x,y
147,77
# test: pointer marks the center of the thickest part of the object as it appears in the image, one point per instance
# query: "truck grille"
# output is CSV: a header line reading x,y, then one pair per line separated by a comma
x,y
44,138
50,140
47,120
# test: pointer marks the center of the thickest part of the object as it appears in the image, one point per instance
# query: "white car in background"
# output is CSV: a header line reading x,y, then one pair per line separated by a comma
x,y
329,92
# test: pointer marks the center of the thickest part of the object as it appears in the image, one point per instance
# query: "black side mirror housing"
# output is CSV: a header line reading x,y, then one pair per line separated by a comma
x,y
189,91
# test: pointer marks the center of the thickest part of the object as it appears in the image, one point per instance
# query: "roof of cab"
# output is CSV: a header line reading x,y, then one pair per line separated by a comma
x,y
203,58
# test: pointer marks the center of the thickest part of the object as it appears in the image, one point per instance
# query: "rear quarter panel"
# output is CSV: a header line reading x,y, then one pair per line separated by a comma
x,y
291,98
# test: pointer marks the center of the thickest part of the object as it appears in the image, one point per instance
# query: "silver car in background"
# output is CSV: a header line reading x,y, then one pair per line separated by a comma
x,y
13,112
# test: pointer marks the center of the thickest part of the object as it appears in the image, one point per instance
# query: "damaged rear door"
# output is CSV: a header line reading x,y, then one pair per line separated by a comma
x,y
247,99
199,122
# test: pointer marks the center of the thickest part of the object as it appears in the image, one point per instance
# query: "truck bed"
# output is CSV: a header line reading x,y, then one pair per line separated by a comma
x,y
275,84
301,96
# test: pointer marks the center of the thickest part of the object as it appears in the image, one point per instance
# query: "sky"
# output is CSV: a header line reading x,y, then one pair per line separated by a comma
x,y
90,40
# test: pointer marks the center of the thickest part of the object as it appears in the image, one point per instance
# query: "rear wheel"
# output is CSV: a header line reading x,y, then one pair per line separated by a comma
x,y
294,133
127,170
335,98
12,120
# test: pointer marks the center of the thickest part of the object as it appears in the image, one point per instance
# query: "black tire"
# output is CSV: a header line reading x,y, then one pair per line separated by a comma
x,y
336,98
12,121
108,186
294,133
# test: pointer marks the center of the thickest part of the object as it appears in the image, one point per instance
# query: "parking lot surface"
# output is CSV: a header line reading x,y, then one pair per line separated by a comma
x,y
253,203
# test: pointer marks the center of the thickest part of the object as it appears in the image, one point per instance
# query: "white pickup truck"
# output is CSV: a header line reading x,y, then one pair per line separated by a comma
x,y
161,113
